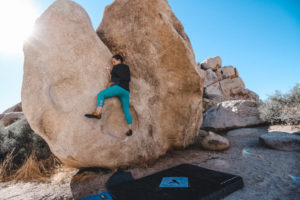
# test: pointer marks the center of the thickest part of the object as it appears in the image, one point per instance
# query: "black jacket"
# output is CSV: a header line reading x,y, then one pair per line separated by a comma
x,y
120,75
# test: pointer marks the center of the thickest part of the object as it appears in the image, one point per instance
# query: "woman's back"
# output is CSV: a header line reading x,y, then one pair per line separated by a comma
x,y
120,74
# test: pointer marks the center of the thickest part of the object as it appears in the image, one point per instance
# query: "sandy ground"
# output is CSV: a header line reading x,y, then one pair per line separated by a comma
x,y
267,174
287,129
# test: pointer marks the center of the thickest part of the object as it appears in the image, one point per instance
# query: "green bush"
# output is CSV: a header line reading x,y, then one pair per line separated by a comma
x,y
282,108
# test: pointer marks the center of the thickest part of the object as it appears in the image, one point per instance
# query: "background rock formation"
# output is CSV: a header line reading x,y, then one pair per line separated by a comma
x,y
222,83
64,70
11,114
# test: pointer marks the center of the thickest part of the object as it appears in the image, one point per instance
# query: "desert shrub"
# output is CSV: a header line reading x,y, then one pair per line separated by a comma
x,y
20,140
282,108
24,155
32,169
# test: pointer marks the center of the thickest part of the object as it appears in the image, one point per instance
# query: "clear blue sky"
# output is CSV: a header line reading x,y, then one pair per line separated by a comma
x,y
261,38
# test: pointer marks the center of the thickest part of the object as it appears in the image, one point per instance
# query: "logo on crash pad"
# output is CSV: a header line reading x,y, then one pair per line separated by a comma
x,y
174,182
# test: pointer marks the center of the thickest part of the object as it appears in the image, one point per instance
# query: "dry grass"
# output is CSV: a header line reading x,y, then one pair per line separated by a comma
x,y
7,168
89,173
63,174
31,170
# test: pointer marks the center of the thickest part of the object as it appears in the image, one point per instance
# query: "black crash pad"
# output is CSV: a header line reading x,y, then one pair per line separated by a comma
x,y
203,184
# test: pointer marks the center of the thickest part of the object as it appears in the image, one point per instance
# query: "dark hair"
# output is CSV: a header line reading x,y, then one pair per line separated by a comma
x,y
118,57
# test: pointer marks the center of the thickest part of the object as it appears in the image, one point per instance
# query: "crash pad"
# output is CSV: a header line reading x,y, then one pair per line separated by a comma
x,y
203,184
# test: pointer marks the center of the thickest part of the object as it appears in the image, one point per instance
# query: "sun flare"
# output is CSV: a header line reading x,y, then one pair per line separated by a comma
x,y
16,20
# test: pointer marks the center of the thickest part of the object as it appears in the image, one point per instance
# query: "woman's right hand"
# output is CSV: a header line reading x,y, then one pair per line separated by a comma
x,y
108,70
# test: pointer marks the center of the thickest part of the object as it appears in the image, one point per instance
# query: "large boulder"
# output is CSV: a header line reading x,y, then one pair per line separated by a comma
x,y
281,141
227,72
231,114
166,86
64,70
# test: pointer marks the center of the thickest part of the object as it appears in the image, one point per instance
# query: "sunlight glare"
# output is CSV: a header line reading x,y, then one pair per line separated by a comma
x,y
16,20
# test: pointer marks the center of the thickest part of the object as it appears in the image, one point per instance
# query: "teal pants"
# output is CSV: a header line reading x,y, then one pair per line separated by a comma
x,y
120,92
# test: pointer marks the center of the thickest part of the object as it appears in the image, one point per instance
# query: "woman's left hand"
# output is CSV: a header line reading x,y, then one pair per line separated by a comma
x,y
110,84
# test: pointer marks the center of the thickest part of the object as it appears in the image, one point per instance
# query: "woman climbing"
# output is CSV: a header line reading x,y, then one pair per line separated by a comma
x,y
118,86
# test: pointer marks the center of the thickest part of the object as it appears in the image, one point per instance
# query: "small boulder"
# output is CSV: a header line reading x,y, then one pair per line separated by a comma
x,y
212,63
215,142
227,72
281,141
10,117
232,87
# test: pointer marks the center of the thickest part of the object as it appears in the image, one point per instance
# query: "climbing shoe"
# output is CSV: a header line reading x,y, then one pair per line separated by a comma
x,y
94,115
129,132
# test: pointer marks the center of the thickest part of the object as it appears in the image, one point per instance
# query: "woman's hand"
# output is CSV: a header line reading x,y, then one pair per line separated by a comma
x,y
108,70
110,84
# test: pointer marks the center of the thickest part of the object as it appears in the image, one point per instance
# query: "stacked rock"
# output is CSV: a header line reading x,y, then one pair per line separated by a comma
x,y
222,83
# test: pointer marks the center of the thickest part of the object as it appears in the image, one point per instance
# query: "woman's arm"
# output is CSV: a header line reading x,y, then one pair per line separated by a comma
x,y
108,70
110,83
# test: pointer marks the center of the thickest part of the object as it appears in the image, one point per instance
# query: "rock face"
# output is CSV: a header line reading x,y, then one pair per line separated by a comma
x,y
281,141
222,83
231,114
166,89
65,69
